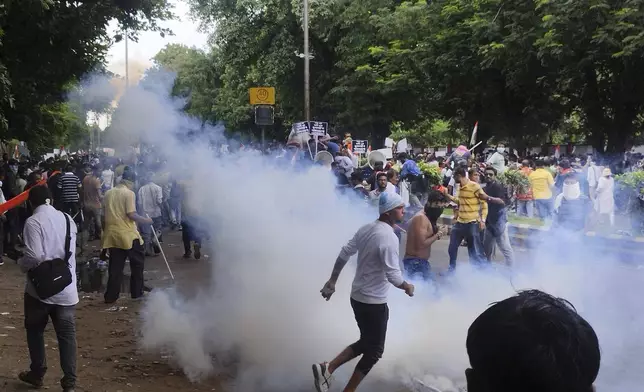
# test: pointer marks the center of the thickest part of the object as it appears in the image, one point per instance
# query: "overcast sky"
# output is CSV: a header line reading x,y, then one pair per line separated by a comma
x,y
185,32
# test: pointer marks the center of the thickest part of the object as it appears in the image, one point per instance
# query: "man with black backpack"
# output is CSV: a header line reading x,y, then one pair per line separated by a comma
x,y
51,292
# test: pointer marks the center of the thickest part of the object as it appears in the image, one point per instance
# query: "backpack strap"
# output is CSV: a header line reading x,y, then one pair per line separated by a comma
x,y
68,240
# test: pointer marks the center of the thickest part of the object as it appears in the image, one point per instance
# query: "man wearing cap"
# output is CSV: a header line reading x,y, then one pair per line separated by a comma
x,y
377,268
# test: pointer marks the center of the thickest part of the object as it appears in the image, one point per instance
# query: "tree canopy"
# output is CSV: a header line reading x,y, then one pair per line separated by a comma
x,y
46,48
530,72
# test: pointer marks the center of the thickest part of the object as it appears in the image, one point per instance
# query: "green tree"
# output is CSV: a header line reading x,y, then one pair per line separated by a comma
x,y
597,50
197,78
47,46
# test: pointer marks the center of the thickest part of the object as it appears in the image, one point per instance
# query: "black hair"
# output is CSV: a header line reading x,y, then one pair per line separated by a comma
x,y
472,172
460,171
533,342
492,169
128,175
381,174
565,164
38,195
540,163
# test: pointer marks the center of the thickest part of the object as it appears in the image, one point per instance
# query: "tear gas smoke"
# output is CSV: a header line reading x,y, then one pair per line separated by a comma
x,y
275,235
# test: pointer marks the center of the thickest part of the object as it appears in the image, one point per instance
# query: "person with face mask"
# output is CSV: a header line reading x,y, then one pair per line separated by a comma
x,y
421,234
572,208
377,268
497,160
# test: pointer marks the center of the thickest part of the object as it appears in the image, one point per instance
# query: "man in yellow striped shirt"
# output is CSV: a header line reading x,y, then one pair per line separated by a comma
x,y
472,212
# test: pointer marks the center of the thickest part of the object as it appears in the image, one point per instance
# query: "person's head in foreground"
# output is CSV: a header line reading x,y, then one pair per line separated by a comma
x,y
532,342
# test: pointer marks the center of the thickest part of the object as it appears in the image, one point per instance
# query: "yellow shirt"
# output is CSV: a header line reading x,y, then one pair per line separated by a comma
x,y
470,207
120,231
541,181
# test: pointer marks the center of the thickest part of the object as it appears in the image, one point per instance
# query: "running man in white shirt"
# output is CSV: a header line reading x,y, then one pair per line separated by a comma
x,y
377,267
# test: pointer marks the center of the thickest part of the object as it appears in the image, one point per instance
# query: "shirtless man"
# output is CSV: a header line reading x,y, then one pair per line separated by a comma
x,y
422,233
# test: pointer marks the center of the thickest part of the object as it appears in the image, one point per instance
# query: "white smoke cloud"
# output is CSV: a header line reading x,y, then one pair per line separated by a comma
x,y
275,234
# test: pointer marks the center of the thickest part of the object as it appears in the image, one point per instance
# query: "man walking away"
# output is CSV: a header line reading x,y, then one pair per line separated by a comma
x,y
150,199
69,184
542,184
45,239
92,203
122,238
377,267
496,225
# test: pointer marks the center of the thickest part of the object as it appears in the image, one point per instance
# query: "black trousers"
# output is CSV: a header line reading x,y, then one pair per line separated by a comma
x,y
189,232
372,322
37,314
136,255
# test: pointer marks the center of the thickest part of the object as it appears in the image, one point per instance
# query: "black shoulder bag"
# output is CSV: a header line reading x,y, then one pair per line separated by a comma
x,y
52,276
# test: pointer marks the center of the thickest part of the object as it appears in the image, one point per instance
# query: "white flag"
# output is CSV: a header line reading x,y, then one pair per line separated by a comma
x,y
473,139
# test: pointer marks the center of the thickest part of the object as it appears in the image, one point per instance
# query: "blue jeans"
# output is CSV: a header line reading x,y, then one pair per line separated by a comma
x,y
525,208
415,266
544,208
471,232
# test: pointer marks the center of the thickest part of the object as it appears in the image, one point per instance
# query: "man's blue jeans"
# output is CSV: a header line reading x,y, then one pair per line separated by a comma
x,y
470,232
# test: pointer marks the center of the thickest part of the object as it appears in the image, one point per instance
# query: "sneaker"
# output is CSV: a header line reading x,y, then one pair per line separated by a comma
x,y
322,377
31,379
187,255
197,251
1,262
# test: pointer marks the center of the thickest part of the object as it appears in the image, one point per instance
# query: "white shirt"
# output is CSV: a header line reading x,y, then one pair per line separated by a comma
x,y
375,194
44,237
378,262
497,161
594,174
151,197
108,178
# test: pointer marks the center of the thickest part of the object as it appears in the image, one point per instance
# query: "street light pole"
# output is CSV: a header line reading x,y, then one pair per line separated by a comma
x,y
307,91
127,68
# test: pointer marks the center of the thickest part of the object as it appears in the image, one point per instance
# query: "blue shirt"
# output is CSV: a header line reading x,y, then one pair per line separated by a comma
x,y
409,168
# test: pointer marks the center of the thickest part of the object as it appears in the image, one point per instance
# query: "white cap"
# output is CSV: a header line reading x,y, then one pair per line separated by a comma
x,y
389,201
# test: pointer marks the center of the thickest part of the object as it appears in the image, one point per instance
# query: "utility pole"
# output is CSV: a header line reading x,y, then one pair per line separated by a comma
x,y
127,68
307,59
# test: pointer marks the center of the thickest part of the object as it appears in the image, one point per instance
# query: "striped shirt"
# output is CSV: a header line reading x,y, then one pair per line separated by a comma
x,y
470,207
68,184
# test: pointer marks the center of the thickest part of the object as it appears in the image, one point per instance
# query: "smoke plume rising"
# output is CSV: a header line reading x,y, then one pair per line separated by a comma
x,y
275,234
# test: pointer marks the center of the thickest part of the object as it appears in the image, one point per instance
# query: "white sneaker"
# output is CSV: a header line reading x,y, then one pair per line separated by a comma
x,y
322,377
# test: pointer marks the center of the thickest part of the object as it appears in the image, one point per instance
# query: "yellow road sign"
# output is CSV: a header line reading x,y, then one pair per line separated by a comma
x,y
262,95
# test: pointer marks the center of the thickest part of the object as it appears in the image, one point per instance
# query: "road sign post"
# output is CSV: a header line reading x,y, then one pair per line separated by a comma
x,y
262,95
264,115
263,98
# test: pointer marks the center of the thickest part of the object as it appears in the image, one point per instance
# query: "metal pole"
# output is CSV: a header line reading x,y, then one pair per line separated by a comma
x,y
127,68
307,97
263,140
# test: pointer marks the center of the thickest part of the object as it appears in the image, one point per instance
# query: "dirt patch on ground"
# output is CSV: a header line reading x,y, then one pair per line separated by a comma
x,y
108,355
